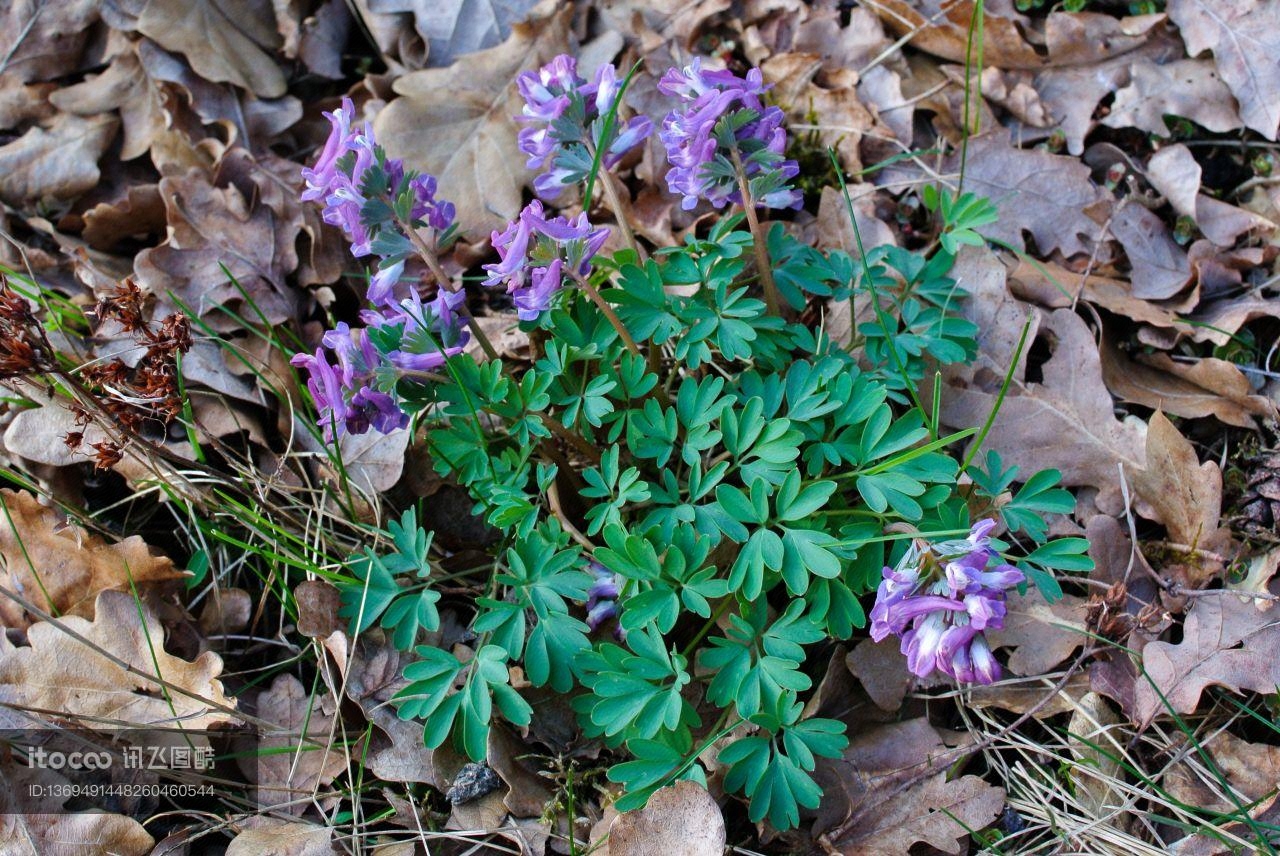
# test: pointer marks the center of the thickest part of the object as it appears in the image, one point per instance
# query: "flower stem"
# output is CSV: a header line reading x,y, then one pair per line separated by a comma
x,y
758,238
608,312
619,213
446,282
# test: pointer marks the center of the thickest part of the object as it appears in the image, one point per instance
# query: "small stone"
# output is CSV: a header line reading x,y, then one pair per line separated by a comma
x,y
472,782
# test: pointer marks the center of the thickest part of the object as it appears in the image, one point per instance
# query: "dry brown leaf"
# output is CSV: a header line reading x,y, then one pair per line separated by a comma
x,y
457,123
59,162
881,668
123,87
298,756
804,91
73,835
225,41
1225,642
43,41
272,837
1158,267
1043,634
59,672
1175,173
140,213
1207,387
372,462
1035,695
1184,87
1250,769
212,228
1050,196
1184,495
681,818
1095,740
226,611
1244,36
1065,422
62,568
1054,287
884,820
942,29
452,28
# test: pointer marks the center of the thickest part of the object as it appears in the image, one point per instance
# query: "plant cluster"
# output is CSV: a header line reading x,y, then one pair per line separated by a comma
x,y
693,490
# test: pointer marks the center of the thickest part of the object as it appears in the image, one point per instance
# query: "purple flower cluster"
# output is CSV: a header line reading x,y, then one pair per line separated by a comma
x,y
348,394
602,598
697,140
535,252
352,396
564,116
950,595
340,177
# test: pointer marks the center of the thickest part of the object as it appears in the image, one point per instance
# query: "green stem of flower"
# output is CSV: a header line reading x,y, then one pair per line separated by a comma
x,y
604,307
758,238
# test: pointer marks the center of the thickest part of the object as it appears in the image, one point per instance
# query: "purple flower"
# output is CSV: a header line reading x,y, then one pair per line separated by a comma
x,y
340,177
940,599
602,598
696,140
564,123
534,252
346,395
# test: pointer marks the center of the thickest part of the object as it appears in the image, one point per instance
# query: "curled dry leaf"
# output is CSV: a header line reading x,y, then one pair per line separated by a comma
x,y
681,818
1226,641
1066,421
1186,496
1244,36
79,676
457,123
1158,267
55,163
62,568
44,41
1207,387
452,28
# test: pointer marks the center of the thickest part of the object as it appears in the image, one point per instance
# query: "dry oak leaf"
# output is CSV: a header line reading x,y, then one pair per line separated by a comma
x,y
125,87
298,756
1158,268
1251,769
212,228
883,819
1066,421
1042,634
942,29
58,162
1244,36
62,568
40,40
226,41
1175,173
681,818
1207,387
1050,196
1054,287
1184,494
1189,88
458,124
1226,642
73,835
452,28
271,837
80,678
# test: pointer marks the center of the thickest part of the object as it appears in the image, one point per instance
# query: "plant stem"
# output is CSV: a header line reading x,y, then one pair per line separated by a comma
x,y
758,239
446,282
608,312
619,213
